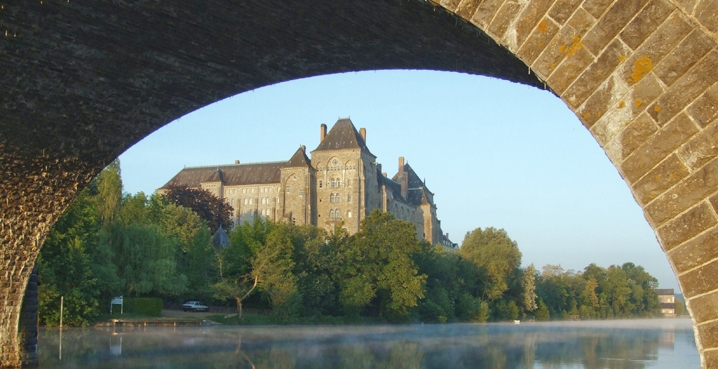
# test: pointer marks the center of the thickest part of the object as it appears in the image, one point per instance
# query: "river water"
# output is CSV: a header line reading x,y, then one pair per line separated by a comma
x,y
629,344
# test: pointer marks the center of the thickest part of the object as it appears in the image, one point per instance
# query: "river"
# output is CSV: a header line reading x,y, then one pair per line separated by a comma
x,y
624,344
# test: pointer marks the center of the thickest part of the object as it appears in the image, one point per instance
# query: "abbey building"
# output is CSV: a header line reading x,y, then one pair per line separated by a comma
x,y
342,182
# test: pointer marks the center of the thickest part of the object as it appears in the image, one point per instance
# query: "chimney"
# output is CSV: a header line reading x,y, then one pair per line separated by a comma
x,y
322,132
362,132
236,161
304,148
403,178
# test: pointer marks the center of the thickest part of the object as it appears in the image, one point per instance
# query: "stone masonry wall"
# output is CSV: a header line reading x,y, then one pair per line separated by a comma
x,y
641,76
84,80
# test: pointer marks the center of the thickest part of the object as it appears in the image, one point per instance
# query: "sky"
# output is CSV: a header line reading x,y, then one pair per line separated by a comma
x,y
494,153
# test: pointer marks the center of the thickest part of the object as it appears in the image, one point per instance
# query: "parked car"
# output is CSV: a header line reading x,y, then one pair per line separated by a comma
x,y
194,306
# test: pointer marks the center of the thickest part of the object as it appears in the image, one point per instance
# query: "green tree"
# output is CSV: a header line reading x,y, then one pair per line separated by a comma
x,y
528,282
208,206
497,256
378,268
64,267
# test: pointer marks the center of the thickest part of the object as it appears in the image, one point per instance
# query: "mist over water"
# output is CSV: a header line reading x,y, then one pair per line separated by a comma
x,y
629,344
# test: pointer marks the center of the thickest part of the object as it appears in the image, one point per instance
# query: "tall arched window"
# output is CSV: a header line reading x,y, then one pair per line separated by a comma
x,y
333,183
339,182
331,214
331,197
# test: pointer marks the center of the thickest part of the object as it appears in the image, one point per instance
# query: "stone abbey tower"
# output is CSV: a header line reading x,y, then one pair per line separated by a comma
x,y
342,182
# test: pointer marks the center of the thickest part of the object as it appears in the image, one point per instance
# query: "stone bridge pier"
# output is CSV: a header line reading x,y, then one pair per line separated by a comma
x,y
83,80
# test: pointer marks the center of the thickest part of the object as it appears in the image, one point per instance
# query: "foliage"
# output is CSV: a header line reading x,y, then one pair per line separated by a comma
x,y
215,211
497,256
108,244
151,306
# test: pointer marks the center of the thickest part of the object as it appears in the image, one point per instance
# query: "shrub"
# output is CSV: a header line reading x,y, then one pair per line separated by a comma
x,y
144,305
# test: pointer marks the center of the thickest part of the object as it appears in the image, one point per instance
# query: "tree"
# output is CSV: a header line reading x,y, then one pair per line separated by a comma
x,y
378,268
64,267
497,256
208,206
528,282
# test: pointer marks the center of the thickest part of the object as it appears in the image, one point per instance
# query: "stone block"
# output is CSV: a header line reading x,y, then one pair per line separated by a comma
x,y
708,333
536,43
655,48
684,195
486,12
467,8
693,253
701,280
683,57
615,19
705,109
686,89
596,7
701,148
659,179
503,19
646,22
658,147
595,74
686,5
625,108
450,4
704,308
566,41
707,13
571,67
710,359
527,21
601,100
562,9
687,225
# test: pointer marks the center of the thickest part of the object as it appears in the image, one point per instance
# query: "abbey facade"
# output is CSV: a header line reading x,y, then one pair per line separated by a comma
x,y
341,184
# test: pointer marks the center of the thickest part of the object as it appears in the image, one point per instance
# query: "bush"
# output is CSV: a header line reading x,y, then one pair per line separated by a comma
x,y
144,305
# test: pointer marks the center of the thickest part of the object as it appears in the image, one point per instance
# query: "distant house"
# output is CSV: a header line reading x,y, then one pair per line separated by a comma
x,y
668,302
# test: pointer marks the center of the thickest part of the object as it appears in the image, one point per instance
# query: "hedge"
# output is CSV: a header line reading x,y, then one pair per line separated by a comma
x,y
144,305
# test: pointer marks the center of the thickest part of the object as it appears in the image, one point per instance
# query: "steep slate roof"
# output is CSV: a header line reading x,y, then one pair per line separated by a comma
x,y
393,186
299,159
233,174
417,192
343,135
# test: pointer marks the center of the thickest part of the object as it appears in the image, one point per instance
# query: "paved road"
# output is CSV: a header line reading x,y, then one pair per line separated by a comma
x,y
189,314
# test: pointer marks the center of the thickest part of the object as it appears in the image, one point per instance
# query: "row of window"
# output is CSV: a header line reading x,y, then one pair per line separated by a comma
x,y
250,201
336,214
335,183
250,190
336,197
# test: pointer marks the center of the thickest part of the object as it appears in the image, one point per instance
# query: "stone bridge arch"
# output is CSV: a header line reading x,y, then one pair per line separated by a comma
x,y
84,80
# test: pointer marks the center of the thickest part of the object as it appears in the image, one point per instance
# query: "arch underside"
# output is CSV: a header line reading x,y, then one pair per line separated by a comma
x,y
84,80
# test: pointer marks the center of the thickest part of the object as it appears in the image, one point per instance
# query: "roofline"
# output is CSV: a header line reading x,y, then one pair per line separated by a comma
x,y
233,165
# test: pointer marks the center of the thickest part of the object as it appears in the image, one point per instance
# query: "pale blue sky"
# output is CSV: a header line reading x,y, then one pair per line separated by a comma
x,y
494,153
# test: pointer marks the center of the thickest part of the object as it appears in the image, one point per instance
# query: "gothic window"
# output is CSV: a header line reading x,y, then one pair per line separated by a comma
x,y
349,214
301,192
339,182
349,198
331,197
333,183
250,201
331,214
349,182
288,190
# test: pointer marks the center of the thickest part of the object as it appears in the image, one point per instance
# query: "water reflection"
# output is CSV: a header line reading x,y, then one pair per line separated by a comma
x,y
665,343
